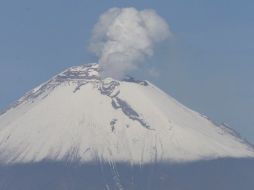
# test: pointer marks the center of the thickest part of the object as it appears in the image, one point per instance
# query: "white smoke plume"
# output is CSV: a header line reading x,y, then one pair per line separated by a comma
x,y
124,37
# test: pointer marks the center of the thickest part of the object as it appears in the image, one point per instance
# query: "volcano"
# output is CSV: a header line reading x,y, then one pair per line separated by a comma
x,y
79,117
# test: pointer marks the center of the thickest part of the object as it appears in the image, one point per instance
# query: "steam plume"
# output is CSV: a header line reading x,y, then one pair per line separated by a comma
x,y
124,37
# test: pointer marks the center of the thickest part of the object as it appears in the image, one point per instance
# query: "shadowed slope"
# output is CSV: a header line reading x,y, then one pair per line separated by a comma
x,y
222,174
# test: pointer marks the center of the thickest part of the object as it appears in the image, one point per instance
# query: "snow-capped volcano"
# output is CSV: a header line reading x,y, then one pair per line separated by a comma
x,y
79,116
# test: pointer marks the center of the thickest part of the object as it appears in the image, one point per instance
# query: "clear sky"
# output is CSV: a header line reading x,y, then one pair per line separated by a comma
x,y
208,65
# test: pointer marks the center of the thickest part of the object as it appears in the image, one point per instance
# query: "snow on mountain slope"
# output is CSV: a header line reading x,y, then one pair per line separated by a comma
x,y
78,116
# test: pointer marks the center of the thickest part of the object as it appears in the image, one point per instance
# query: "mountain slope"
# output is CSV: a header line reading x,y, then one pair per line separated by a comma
x,y
79,116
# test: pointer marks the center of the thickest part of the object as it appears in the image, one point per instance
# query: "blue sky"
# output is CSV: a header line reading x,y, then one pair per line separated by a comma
x,y
208,65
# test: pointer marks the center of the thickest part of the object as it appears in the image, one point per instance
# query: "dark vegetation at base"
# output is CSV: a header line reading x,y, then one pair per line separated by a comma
x,y
221,174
